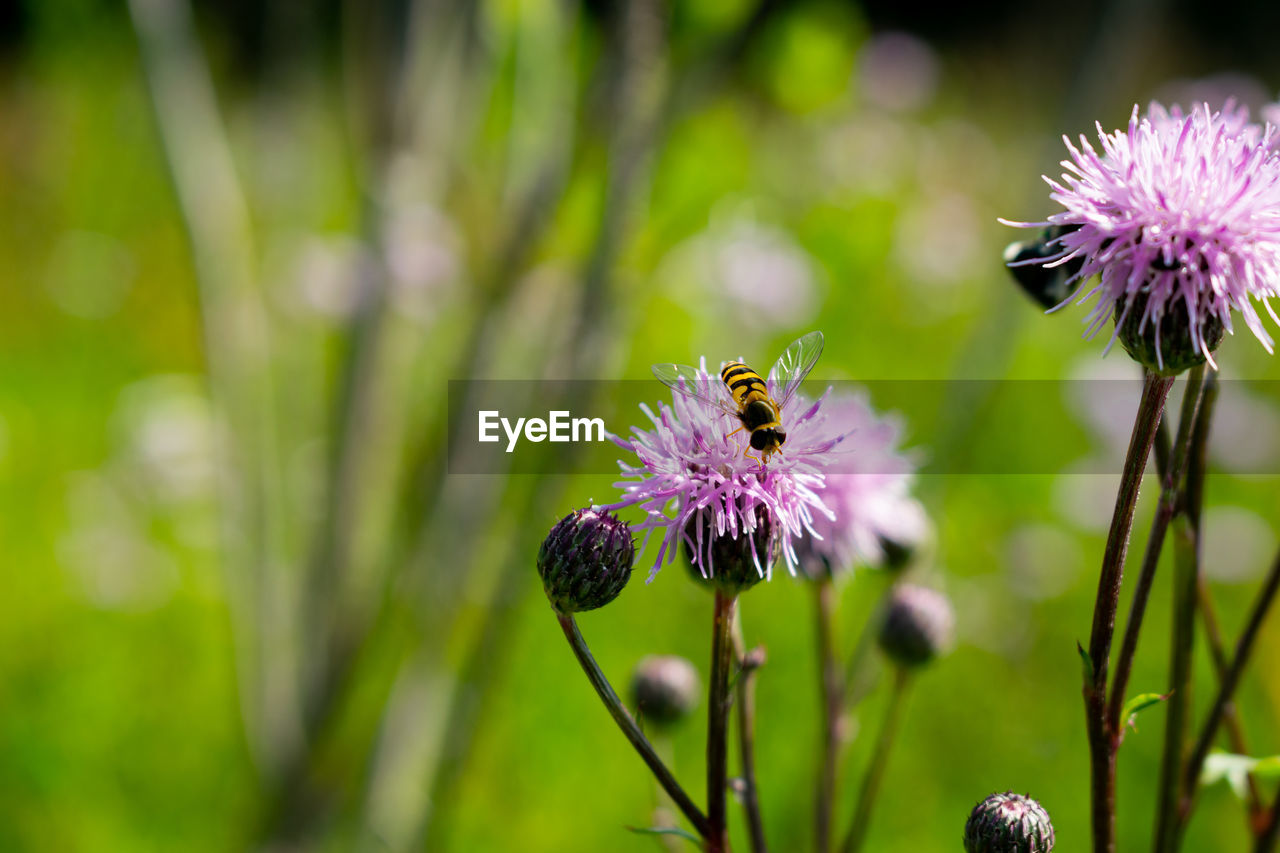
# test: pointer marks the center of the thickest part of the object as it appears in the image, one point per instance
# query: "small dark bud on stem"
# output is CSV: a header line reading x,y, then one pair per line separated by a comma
x,y
919,625
1008,823
1046,285
585,561
754,659
665,689
897,554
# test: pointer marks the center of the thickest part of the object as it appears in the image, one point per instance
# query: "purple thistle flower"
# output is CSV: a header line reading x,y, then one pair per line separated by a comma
x,y
869,494
690,463
1179,216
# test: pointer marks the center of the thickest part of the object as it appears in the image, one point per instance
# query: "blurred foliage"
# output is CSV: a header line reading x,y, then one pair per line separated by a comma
x,y
247,605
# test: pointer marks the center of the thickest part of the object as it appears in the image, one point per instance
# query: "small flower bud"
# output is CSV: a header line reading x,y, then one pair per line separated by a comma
x,y
810,562
919,625
664,689
897,553
585,561
1046,285
1008,823
736,563
1173,350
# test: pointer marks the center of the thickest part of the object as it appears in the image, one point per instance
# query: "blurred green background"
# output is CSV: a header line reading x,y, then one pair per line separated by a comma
x,y
245,247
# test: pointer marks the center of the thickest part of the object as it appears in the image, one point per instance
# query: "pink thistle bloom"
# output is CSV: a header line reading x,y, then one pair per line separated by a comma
x,y
869,495
1178,213
690,464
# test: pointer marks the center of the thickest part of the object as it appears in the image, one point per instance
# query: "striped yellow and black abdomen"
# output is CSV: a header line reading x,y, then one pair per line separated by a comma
x,y
745,384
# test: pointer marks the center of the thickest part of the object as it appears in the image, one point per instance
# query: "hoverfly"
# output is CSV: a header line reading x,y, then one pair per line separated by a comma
x,y
748,395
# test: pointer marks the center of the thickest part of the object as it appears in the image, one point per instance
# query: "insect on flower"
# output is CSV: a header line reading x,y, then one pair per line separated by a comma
x,y
747,397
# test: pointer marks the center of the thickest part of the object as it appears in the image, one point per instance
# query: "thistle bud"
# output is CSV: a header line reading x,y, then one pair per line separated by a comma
x,y
811,562
898,553
1046,285
1173,349
733,564
585,561
1008,823
664,688
919,625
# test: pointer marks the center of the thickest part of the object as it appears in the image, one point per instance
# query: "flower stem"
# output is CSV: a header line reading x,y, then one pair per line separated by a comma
x,y
662,816
1271,832
1155,389
858,681
718,721
879,760
1186,568
1230,717
1171,485
748,663
1244,647
623,718
1192,504
830,693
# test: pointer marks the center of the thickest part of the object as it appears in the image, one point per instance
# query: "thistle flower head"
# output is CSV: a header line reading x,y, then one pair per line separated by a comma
x,y
696,485
874,519
919,625
1179,217
585,561
1008,823
665,689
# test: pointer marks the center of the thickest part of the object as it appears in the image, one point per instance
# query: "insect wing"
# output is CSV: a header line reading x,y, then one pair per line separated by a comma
x,y
794,365
686,380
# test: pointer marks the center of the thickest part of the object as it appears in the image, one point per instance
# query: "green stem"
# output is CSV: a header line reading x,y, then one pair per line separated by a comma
x,y
1155,389
623,718
879,760
1192,502
662,814
718,721
858,683
1244,647
1230,717
748,664
1186,565
830,694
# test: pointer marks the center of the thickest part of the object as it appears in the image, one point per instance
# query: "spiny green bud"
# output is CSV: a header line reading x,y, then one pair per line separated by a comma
x,y
730,561
1176,352
585,561
664,688
1008,823
918,626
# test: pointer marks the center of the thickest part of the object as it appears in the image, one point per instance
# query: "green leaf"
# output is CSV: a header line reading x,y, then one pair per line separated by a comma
x,y
1236,769
1267,768
1088,663
1141,702
667,830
